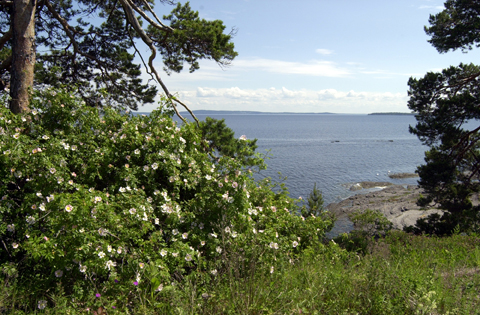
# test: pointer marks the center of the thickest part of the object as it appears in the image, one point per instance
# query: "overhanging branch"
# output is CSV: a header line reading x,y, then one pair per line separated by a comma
x,y
130,14
5,38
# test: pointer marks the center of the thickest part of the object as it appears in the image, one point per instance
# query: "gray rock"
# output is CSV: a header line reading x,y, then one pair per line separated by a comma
x,y
396,202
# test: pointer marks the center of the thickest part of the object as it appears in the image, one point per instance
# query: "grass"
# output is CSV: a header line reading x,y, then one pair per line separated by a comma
x,y
400,274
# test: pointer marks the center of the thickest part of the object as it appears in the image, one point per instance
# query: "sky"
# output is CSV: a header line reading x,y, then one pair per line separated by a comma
x,y
339,56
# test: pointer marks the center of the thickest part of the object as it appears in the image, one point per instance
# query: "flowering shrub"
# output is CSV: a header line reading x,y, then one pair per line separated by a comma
x,y
102,202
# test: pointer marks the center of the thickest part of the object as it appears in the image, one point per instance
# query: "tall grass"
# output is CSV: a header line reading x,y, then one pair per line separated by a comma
x,y
400,274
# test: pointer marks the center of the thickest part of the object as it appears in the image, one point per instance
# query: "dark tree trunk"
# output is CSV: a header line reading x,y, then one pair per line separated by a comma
x,y
23,54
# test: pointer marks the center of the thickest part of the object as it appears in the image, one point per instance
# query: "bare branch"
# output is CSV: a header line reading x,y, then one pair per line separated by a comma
x,y
154,15
5,38
68,30
6,63
148,41
160,26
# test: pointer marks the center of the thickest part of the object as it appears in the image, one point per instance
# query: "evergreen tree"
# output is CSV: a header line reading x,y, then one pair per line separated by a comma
x,y
445,103
89,46
315,203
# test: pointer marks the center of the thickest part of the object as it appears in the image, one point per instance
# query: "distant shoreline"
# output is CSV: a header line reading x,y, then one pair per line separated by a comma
x,y
393,113
236,112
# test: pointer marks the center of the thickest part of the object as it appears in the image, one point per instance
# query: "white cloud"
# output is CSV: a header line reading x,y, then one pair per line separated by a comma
x,y
287,100
323,51
432,7
318,68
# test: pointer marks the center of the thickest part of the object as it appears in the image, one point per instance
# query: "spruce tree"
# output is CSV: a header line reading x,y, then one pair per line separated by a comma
x,y
314,203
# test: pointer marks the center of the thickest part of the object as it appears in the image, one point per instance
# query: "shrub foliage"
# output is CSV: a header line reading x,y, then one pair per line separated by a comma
x,y
100,202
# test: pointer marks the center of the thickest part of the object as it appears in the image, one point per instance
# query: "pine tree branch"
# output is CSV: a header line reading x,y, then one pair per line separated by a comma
x,y
6,63
160,26
130,14
154,15
6,37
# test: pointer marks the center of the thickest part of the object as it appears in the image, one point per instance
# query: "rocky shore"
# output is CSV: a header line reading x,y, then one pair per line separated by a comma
x,y
396,202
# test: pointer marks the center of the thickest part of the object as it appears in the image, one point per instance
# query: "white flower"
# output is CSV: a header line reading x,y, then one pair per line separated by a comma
x,y
58,273
109,248
30,220
227,230
202,243
185,235
101,254
97,199
163,252
175,232
50,198
271,269
208,177
295,244
68,208
83,268
110,264
42,304
160,288
219,249
45,137
102,232
42,207
188,257
174,254
213,272
11,228
137,151
119,250
122,189
15,245
273,245
243,137
213,234
132,211
234,234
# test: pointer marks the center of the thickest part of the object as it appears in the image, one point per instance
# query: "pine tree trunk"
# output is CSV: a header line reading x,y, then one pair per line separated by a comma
x,y
23,54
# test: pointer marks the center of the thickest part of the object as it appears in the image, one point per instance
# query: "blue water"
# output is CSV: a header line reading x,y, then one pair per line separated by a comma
x,y
334,151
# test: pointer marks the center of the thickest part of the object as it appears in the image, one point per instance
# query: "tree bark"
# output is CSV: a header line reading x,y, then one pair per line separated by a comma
x,y
23,53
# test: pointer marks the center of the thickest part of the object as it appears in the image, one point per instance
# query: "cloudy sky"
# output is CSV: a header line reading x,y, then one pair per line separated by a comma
x,y
340,56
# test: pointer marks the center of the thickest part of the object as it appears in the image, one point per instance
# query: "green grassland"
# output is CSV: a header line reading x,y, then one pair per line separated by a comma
x,y
398,274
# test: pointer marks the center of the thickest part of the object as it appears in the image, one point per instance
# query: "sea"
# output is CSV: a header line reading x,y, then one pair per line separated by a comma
x,y
333,151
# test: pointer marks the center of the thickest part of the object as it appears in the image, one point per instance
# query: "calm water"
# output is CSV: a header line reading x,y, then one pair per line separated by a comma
x,y
334,151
